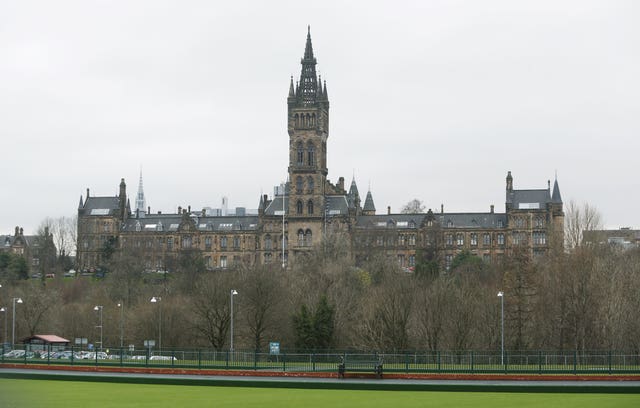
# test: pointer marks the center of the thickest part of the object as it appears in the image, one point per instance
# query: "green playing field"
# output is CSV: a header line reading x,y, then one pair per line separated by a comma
x,y
21,393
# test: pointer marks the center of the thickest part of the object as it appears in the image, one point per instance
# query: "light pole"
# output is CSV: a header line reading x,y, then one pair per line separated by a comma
x,y
4,310
233,293
13,326
98,308
157,299
501,296
121,306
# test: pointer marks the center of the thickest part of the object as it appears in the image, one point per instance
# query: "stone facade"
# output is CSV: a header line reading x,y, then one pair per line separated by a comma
x,y
309,207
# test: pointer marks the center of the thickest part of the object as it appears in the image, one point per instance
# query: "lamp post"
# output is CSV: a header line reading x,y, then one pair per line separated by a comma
x,y
98,308
4,339
121,306
233,293
501,296
157,299
13,326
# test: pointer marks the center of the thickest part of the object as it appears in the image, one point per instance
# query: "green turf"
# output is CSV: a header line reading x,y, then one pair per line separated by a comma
x,y
71,394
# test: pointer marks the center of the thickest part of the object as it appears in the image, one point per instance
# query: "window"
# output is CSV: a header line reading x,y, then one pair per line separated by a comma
x,y
170,243
486,258
299,207
539,238
267,243
519,222
223,242
300,237
391,241
401,261
267,258
106,226
539,222
236,242
223,261
309,207
207,262
500,239
300,156
186,241
474,239
310,185
207,243
299,185
486,239
460,239
308,237
449,239
500,224
412,239
311,154
519,238
401,240
447,261
379,240
412,260
449,224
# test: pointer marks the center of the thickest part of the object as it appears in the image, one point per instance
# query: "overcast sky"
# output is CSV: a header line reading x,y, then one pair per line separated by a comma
x,y
434,100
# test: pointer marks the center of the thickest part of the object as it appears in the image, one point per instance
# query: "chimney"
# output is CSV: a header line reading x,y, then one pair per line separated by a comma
x,y
441,208
341,183
87,193
179,209
149,210
189,209
388,210
159,212
204,212
491,208
17,231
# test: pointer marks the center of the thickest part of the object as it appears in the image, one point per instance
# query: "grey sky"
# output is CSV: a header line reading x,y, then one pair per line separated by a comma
x,y
434,100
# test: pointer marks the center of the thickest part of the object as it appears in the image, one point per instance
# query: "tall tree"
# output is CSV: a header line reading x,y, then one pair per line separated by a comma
x,y
414,206
579,218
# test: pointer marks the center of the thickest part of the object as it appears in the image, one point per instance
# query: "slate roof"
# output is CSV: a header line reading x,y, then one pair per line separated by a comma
x,y
458,220
528,199
170,222
101,206
368,203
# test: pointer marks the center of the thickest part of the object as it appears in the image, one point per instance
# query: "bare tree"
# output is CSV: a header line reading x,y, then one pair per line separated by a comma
x,y
211,315
261,296
414,206
580,218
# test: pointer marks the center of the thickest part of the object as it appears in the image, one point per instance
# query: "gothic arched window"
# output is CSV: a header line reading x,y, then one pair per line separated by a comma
x,y
299,207
309,207
310,184
311,154
300,151
299,185
300,237
307,237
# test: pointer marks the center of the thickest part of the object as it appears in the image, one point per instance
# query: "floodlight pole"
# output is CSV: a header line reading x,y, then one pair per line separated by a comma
x,y
98,308
13,328
233,293
501,296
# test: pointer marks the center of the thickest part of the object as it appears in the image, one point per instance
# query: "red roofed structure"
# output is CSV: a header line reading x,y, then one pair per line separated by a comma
x,y
43,341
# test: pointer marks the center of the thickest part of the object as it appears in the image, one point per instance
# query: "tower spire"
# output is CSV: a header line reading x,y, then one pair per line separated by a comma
x,y
308,84
141,206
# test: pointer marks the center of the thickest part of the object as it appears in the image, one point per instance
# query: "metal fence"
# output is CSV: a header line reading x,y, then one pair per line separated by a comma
x,y
471,362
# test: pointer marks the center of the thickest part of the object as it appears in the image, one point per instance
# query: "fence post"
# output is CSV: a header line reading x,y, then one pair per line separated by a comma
x,y
406,362
255,360
48,354
575,362
539,361
199,359
472,366
121,356
609,362
227,360
506,362
313,362
439,361
284,362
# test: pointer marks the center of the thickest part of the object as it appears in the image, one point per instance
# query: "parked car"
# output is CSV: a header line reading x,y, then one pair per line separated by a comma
x,y
14,354
164,358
